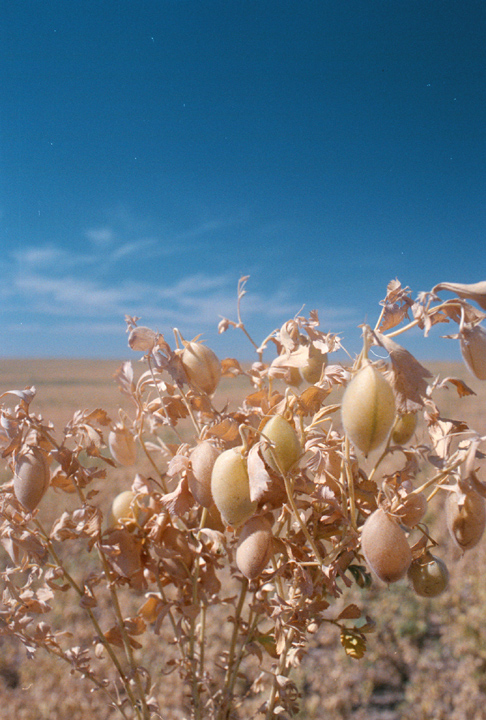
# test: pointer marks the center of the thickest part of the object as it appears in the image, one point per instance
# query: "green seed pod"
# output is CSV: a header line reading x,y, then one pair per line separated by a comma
x,y
368,409
230,487
287,448
385,547
429,576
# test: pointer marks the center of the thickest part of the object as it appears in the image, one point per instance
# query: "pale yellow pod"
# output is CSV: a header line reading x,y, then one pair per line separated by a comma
x,y
368,409
473,349
121,507
404,428
202,367
230,487
385,547
127,506
202,457
466,518
287,448
122,445
254,547
312,370
429,576
31,477
142,339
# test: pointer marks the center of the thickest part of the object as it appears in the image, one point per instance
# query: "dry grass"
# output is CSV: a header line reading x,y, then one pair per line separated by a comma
x,y
426,660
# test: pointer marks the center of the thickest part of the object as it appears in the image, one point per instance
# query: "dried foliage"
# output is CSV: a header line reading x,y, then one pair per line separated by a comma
x,y
261,515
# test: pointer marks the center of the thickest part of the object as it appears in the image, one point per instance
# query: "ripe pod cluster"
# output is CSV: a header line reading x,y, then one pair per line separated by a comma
x,y
368,409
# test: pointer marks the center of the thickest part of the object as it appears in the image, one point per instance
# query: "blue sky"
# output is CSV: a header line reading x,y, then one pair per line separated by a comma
x,y
153,152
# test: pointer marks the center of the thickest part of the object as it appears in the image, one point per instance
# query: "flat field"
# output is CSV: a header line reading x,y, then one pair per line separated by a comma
x,y
426,659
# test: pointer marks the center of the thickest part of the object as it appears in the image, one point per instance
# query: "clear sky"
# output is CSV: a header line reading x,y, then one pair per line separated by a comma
x,y
153,151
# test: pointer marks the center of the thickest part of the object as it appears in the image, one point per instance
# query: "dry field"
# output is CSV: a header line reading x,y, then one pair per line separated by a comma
x,y
426,660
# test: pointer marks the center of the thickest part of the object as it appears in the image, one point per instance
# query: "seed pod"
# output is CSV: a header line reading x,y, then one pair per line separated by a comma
x,y
230,487
202,458
404,428
429,575
31,477
287,448
202,367
385,547
142,339
254,547
368,409
473,349
312,370
466,518
121,507
122,445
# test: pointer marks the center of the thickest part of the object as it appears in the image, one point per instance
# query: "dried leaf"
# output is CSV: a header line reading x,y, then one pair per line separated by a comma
x,y
180,500
408,375
473,291
354,644
351,612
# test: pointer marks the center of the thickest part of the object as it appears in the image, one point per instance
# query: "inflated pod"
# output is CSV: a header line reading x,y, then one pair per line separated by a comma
x,y
202,367
368,409
385,547
31,477
312,370
230,487
473,349
466,518
202,457
122,445
429,576
254,547
404,428
286,449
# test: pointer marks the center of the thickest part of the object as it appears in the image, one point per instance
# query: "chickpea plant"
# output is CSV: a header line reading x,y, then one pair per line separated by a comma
x,y
258,518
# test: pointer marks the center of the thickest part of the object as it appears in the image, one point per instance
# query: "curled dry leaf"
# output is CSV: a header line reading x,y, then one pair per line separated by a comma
x,y
407,377
472,291
122,445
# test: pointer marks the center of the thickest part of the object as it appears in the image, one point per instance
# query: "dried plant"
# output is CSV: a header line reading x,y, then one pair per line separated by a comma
x,y
258,517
